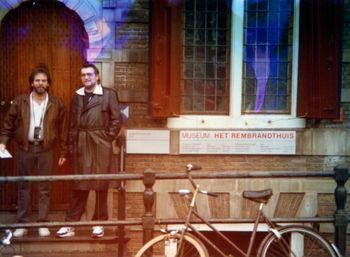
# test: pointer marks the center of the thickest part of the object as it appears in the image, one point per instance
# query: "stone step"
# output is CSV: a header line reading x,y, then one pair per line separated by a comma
x,y
73,254
81,245
80,233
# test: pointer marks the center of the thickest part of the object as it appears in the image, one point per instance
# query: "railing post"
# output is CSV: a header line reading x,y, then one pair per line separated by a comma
x,y
340,216
148,199
121,199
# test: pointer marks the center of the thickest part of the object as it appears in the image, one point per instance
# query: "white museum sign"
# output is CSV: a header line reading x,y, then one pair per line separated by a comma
x,y
147,141
237,142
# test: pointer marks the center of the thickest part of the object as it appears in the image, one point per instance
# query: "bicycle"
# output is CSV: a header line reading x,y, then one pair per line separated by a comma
x,y
281,241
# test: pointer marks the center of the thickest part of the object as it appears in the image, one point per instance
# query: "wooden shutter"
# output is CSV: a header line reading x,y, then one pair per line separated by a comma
x,y
319,59
165,58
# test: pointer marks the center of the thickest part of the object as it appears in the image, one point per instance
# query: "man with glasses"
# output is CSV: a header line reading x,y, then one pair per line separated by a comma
x,y
95,123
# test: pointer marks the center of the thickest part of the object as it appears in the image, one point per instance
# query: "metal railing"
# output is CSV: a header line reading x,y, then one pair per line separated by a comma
x,y
148,221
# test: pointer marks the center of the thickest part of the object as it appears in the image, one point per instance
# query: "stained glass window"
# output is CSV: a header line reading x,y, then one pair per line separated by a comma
x,y
267,60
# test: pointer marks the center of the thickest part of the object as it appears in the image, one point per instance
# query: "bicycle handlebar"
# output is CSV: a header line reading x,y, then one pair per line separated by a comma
x,y
183,192
208,193
189,168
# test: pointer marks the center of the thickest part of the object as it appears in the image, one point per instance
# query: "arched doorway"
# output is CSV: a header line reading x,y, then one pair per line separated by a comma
x,y
39,32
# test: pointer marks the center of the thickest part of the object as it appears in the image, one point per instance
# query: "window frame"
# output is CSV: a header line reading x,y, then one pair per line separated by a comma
x,y
235,118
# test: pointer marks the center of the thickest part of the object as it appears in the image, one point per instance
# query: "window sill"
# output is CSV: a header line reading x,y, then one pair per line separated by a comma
x,y
241,122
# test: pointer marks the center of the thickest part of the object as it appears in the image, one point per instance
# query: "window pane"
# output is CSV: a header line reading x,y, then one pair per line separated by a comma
x,y
211,37
198,104
210,103
188,87
221,54
200,54
267,61
249,86
221,71
199,87
188,70
189,20
211,54
210,87
221,103
188,54
200,20
189,37
187,102
210,71
205,64
221,89
199,37
211,20
199,70
222,21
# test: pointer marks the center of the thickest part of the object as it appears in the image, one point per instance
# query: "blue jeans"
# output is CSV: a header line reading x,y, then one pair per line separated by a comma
x,y
41,161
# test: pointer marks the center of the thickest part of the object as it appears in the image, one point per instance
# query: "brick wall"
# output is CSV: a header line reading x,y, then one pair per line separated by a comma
x,y
131,79
176,163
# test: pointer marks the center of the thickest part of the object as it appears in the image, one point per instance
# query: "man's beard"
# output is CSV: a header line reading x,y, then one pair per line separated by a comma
x,y
40,90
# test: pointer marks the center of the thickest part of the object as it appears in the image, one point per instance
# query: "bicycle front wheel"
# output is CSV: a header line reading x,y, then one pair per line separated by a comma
x,y
167,246
295,241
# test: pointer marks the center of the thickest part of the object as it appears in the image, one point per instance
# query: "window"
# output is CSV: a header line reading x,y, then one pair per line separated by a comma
x,y
236,64
205,62
267,56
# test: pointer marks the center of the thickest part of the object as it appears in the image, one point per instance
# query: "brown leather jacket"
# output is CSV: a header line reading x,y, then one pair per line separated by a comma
x,y
16,123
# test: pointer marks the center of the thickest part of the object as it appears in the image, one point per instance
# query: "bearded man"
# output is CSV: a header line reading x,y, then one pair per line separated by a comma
x,y
37,121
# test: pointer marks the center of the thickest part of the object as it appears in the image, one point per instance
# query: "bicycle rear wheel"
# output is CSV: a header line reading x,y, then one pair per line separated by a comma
x,y
166,246
295,241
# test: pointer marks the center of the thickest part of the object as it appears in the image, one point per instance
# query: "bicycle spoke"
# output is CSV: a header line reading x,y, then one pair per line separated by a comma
x,y
167,246
296,241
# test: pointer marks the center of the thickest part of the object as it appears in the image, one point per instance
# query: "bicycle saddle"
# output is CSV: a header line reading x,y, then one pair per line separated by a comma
x,y
260,196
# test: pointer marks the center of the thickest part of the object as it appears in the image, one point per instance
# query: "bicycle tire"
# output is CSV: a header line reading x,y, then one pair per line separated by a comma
x,y
309,244
192,246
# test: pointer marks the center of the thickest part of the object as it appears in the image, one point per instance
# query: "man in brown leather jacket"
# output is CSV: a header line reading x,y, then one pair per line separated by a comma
x,y
36,120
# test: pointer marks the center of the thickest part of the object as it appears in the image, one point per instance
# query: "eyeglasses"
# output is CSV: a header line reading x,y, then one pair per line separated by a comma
x,y
88,74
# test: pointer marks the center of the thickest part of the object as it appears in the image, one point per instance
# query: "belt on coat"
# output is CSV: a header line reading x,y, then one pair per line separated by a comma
x,y
90,129
36,142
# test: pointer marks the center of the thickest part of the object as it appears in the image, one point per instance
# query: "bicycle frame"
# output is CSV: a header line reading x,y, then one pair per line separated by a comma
x,y
189,227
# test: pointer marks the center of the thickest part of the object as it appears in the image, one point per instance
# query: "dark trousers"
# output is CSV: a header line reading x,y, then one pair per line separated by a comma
x,y
78,204
41,161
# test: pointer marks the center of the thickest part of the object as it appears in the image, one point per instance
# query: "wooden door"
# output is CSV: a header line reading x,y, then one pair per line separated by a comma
x,y
44,32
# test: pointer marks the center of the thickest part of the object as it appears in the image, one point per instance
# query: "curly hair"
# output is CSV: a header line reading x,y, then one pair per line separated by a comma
x,y
39,69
